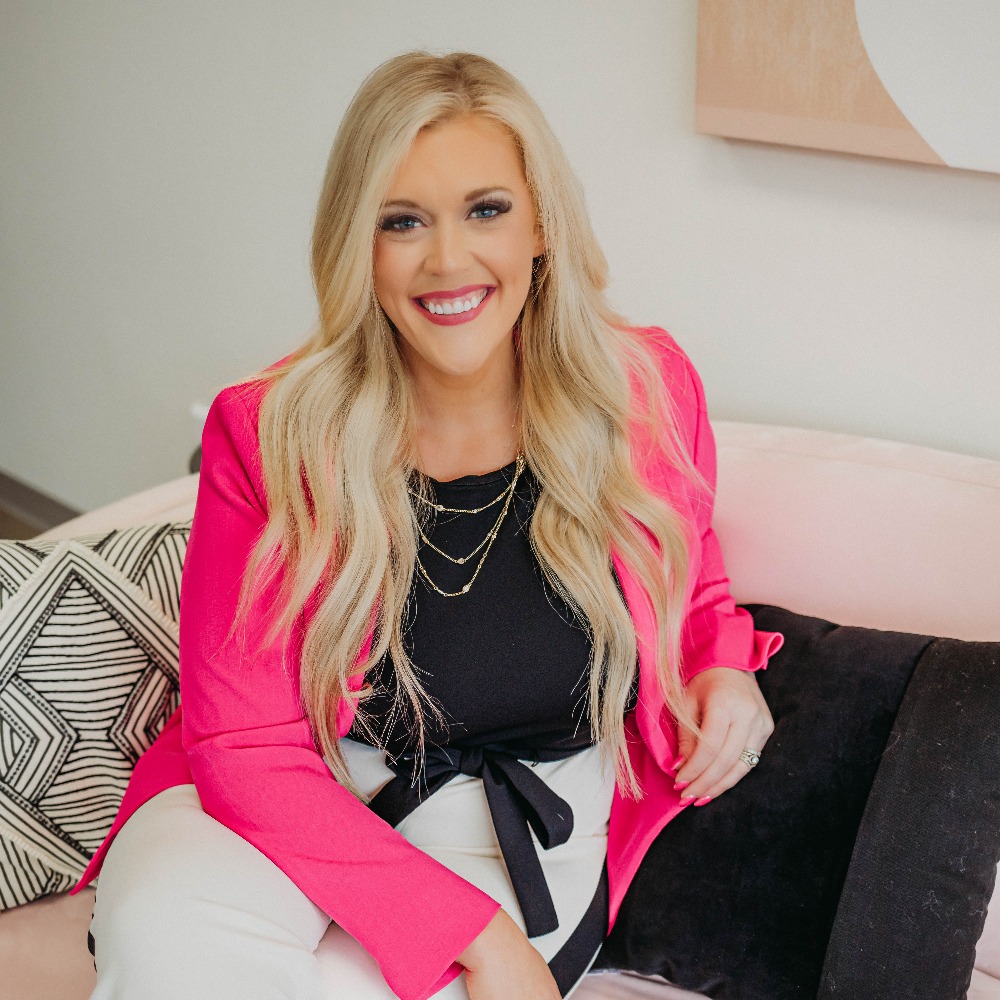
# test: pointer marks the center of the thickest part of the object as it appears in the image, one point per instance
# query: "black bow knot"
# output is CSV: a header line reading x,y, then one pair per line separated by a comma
x,y
517,799
470,762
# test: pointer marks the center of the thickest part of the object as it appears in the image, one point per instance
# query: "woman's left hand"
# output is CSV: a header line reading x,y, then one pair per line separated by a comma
x,y
733,716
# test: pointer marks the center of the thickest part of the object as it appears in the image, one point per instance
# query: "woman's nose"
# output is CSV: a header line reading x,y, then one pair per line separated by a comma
x,y
448,250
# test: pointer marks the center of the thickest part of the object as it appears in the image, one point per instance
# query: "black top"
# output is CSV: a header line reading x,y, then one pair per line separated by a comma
x,y
509,666
507,662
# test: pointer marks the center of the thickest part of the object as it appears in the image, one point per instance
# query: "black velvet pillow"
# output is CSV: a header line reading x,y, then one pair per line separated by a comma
x,y
867,837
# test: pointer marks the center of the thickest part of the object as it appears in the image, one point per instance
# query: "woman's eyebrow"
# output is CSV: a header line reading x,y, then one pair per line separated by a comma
x,y
471,196
479,192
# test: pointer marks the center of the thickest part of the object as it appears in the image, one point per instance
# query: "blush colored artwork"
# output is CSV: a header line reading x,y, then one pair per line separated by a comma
x,y
906,79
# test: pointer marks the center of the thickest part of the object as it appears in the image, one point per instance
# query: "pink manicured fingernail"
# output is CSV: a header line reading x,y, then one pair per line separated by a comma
x,y
687,800
681,785
703,801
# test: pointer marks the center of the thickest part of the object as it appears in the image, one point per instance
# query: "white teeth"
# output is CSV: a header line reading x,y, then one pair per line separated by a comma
x,y
452,306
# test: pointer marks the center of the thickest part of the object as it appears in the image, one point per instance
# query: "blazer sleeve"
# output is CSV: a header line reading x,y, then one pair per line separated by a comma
x,y
716,632
254,761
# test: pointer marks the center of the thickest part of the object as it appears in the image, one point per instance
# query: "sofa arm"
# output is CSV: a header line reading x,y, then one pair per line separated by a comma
x,y
172,501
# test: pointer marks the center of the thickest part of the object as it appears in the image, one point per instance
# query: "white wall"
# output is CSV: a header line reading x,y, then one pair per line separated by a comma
x,y
160,161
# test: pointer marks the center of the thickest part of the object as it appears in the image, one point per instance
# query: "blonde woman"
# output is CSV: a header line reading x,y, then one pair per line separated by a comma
x,y
456,638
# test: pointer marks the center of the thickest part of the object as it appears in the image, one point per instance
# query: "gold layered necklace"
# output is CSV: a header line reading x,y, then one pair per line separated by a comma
x,y
507,496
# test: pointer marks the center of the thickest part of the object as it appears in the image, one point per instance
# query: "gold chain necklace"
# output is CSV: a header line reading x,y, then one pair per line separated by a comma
x,y
488,541
462,560
460,510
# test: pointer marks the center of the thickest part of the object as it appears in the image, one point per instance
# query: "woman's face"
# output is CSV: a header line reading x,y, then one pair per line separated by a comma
x,y
453,249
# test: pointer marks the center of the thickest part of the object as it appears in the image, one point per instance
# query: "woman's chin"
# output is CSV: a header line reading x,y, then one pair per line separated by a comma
x,y
462,362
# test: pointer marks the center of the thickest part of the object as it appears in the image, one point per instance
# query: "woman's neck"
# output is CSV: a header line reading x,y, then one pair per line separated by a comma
x,y
466,427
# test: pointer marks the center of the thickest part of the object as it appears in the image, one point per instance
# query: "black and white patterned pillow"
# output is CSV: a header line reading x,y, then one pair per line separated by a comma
x,y
88,677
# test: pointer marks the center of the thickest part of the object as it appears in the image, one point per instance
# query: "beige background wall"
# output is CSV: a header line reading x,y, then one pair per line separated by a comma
x,y
160,162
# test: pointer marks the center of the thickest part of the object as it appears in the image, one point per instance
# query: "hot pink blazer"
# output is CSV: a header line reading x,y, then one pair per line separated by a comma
x,y
243,740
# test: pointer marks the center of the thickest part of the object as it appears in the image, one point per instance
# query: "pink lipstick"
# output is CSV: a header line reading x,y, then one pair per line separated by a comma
x,y
453,319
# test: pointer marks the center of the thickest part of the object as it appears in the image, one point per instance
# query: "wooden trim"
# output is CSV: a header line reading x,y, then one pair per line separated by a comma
x,y
31,506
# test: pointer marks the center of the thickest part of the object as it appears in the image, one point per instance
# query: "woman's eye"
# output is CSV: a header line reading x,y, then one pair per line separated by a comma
x,y
399,224
487,210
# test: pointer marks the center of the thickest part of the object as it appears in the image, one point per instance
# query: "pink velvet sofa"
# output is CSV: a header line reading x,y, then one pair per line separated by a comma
x,y
915,531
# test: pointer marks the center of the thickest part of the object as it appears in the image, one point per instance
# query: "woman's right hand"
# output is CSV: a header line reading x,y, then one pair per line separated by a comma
x,y
502,963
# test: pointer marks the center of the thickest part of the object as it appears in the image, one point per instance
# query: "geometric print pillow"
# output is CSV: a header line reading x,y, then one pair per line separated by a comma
x,y
88,678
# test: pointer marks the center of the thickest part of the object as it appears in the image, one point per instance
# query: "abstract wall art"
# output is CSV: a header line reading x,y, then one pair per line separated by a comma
x,y
906,79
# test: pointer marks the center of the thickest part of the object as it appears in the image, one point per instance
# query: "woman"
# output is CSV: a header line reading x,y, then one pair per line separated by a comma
x,y
428,551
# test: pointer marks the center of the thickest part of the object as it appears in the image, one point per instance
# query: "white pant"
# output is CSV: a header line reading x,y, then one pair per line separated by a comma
x,y
186,909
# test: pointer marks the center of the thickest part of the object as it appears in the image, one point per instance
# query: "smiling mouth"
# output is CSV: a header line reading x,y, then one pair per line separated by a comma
x,y
453,311
454,307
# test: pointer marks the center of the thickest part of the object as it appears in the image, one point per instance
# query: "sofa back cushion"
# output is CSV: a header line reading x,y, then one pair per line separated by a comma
x,y
860,531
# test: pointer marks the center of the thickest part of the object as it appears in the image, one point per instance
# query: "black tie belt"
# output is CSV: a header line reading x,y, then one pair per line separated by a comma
x,y
517,799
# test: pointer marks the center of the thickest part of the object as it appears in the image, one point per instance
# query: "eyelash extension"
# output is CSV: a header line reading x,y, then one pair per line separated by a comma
x,y
501,206
388,225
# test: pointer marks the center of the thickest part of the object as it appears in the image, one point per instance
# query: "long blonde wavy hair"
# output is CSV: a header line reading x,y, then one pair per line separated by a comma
x,y
336,426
